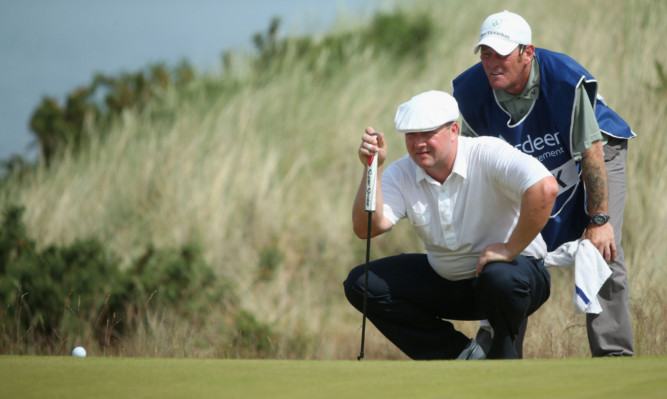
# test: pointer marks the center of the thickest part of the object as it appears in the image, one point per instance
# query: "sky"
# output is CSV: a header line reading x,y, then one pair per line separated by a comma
x,y
50,47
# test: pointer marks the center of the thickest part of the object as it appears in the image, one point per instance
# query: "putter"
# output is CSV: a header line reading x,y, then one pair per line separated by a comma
x,y
371,183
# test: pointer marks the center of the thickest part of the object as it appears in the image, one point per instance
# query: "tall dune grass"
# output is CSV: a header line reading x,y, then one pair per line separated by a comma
x,y
270,171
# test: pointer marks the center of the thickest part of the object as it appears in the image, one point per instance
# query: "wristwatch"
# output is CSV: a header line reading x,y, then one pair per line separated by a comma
x,y
599,219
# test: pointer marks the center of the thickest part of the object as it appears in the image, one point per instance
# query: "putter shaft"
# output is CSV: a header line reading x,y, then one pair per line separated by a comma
x,y
368,252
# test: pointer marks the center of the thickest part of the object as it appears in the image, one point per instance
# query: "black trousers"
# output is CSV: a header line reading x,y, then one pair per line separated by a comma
x,y
409,302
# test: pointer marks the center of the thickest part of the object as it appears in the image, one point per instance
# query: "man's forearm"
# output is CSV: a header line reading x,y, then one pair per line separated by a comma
x,y
536,205
595,179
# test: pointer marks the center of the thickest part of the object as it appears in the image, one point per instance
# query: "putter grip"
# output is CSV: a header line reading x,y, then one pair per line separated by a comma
x,y
371,182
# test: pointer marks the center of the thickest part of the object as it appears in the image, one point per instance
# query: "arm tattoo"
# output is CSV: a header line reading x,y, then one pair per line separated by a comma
x,y
595,180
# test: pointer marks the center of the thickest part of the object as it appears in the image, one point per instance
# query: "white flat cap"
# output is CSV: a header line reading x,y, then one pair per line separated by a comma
x,y
426,111
503,32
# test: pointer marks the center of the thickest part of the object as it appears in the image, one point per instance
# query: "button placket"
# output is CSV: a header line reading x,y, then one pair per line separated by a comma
x,y
445,206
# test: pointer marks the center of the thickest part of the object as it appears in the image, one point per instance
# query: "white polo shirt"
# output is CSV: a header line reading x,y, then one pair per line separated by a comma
x,y
477,205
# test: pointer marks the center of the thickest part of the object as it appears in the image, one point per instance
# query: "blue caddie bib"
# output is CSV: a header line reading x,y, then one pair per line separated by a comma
x,y
545,132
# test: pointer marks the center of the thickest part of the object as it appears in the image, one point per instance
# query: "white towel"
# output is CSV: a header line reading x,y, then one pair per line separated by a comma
x,y
590,272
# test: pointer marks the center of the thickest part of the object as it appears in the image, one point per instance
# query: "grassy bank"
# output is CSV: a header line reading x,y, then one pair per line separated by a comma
x,y
262,176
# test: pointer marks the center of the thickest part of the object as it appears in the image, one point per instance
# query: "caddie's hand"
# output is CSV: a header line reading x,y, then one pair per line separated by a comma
x,y
372,145
493,253
602,237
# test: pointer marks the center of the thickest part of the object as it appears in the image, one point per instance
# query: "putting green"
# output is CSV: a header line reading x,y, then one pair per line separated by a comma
x,y
99,377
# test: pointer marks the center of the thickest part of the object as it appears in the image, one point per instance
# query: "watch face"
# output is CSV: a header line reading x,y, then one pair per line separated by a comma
x,y
600,219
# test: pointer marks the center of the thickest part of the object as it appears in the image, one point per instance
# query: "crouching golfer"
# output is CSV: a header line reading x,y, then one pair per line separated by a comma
x,y
478,204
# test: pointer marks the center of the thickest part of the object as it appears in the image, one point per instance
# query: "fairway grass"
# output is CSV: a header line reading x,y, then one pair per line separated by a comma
x,y
97,377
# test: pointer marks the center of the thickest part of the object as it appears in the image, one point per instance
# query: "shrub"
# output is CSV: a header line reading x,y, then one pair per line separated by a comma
x,y
402,34
178,281
50,295
252,338
63,127
46,293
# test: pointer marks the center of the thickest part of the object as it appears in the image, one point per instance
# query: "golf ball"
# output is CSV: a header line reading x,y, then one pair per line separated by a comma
x,y
79,351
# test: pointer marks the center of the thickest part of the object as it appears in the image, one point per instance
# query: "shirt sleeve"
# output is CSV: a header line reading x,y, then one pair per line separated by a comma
x,y
585,129
515,171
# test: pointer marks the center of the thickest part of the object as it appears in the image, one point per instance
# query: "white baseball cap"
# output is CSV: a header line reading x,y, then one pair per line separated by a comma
x,y
504,31
426,111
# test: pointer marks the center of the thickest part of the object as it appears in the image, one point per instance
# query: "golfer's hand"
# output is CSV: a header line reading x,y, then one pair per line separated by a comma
x,y
494,253
372,145
602,237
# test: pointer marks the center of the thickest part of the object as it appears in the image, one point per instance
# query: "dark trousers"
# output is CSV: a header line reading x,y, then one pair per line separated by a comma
x,y
408,302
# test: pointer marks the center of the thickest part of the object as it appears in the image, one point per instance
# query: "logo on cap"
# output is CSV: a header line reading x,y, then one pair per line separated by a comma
x,y
494,28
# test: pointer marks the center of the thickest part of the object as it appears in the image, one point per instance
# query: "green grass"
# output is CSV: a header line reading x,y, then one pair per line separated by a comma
x,y
94,377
